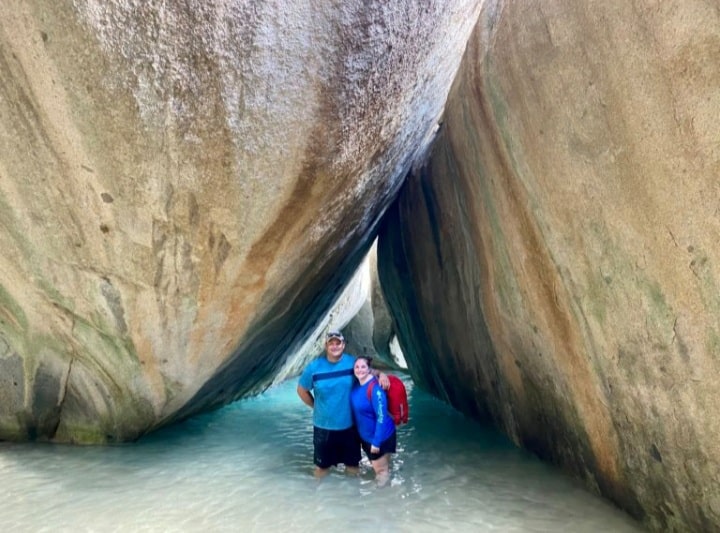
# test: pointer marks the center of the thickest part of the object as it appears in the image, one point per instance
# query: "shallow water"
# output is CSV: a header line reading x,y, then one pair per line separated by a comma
x,y
248,467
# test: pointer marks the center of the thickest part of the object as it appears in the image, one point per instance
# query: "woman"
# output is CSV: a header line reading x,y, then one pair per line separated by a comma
x,y
374,423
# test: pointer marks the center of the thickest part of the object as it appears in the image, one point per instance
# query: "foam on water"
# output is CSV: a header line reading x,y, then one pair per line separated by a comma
x,y
248,467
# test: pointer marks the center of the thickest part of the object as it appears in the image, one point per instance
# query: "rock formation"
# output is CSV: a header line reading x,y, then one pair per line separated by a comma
x,y
370,331
185,190
554,267
186,187
349,305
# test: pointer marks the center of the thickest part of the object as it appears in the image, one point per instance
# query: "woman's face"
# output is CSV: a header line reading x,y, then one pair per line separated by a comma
x,y
361,369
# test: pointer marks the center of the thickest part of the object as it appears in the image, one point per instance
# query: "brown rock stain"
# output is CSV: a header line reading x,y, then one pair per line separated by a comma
x,y
539,285
319,182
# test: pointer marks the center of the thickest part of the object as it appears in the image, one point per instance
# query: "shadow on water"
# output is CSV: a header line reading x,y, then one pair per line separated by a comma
x,y
248,467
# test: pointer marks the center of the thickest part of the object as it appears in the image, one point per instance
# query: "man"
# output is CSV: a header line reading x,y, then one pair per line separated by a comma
x,y
325,386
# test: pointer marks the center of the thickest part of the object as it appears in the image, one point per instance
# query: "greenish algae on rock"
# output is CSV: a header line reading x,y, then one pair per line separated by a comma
x,y
186,188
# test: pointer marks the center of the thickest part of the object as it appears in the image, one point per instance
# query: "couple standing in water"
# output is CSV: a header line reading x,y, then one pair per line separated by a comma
x,y
345,416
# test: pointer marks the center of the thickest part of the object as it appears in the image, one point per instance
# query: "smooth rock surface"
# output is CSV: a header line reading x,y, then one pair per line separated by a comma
x,y
185,188
555,266
370,332
352,300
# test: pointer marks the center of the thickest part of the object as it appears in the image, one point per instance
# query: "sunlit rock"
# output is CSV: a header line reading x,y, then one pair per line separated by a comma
x,y
185,188
361,314
348,305
358,331
555,268
371,332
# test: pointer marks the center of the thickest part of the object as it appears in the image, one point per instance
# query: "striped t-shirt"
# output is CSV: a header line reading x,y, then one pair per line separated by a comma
x,y
330,384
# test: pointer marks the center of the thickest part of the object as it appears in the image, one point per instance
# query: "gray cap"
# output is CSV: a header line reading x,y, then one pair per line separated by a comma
x,y
334,334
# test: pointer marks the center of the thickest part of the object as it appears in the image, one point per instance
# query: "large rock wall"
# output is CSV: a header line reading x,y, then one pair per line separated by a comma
x,y
555,267
186,186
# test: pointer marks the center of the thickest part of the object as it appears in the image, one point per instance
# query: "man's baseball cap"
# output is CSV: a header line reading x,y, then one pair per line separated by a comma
x,y
334,334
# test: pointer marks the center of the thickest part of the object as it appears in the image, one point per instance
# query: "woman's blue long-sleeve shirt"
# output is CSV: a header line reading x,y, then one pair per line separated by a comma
x,y
373,421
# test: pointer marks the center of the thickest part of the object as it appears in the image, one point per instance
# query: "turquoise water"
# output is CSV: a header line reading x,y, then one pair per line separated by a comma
x,y
248,467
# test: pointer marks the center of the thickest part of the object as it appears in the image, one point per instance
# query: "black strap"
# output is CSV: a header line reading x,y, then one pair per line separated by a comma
x,y
335,374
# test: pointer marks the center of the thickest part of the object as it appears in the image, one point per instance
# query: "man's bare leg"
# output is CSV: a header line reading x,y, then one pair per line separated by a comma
x,y
321,472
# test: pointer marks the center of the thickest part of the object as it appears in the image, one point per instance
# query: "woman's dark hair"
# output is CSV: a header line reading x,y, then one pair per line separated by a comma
x,y
367,359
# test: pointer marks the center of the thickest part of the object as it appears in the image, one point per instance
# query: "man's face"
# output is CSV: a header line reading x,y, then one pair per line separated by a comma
x,y
334,349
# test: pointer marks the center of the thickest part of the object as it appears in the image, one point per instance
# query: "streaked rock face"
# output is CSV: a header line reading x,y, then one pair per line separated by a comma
x,y
361,313
184,188
555,266
370,332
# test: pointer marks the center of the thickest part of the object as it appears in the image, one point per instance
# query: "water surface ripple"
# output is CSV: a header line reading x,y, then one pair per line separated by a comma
x,y
247,467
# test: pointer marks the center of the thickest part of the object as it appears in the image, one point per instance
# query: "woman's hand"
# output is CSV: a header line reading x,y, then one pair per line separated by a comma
x,y
374,449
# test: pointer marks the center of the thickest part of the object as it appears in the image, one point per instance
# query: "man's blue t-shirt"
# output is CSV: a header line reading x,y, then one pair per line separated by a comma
x,y
330,384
